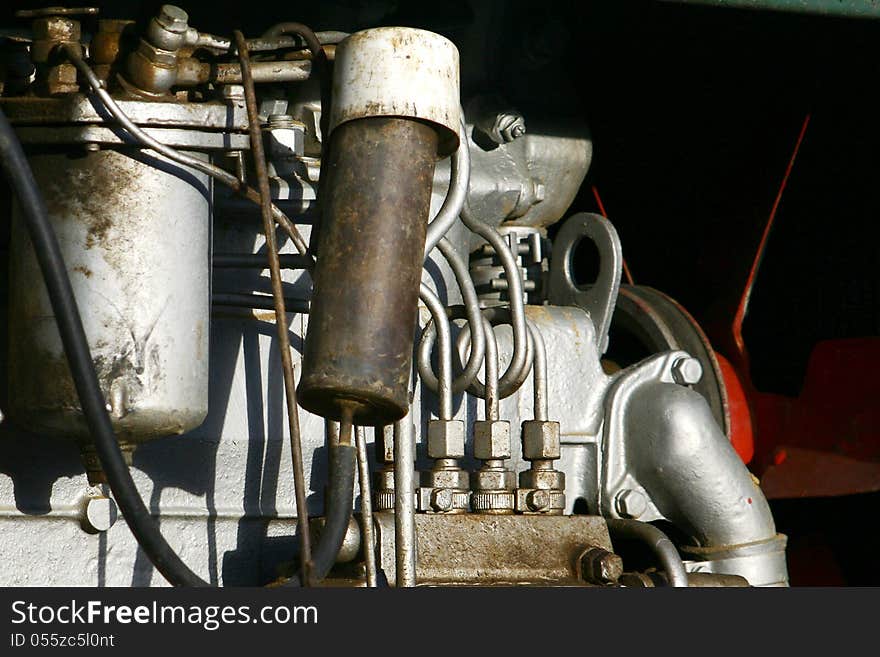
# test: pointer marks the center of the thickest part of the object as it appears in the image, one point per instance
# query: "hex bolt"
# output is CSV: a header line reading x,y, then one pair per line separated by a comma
x,y
99,514
441,499
687,371
538,500
630,503
173,19
600,566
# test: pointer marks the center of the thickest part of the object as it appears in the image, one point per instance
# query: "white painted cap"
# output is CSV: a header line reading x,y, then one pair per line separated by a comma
x,y
399,71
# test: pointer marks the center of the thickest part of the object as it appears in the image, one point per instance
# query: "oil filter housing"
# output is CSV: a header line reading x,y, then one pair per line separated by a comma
x,y
135,233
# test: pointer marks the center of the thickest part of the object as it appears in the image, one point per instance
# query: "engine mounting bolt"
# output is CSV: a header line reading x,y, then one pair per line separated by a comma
x,y
630,503
687,371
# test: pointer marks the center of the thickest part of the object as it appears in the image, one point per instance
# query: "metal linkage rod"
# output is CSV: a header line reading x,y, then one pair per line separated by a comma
x,y
366,507
404,502
280,312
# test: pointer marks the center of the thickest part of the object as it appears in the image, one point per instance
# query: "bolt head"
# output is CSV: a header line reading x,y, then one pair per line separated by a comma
x,y
543,479
173,19
441,500
540,440
446,439
538,500
61,79
600,566
492,439
56,28
499,479
100,514
687,371
630,504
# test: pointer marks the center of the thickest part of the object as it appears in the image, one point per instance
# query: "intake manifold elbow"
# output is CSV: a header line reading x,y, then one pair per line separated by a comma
x,y
674,453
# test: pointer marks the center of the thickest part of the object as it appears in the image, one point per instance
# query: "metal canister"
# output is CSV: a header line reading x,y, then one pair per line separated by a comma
x,y
134,231
395,111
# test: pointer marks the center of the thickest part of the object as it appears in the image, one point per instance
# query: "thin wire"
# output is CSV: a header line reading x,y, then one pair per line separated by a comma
x,y
280,313
629,278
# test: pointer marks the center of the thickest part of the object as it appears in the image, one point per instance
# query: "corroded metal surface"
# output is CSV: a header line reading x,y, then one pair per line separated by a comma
x,y
495,550
135,238
359,345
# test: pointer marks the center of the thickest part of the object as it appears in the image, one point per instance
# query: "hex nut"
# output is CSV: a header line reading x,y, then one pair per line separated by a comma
x,y
453,478
687,371
288,141
385,444
384,479
543,479
599,566
493,480
61,79
56,28
492,439
172,18
630,503
540,440
538,500
156,55
446,439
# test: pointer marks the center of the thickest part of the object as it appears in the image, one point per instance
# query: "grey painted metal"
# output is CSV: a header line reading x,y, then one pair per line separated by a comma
x,y
661,440
600,297
532,180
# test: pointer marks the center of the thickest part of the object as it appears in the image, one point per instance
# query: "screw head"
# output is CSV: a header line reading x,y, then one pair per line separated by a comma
x,y
441,500
538,500
173,19
687,371
100,514
600,566
630,503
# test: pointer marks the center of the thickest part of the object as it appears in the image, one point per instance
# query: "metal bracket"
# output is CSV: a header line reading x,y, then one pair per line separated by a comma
x,y
599,298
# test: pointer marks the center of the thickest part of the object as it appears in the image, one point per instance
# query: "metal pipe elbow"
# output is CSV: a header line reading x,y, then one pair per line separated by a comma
x,y
697,481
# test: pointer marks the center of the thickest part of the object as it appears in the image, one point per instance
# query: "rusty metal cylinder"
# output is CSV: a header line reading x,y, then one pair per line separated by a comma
x,y
395,110
358,349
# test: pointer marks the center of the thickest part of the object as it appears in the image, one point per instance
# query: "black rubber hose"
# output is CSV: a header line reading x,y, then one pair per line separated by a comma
x,y
82,369
337,513
663,548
